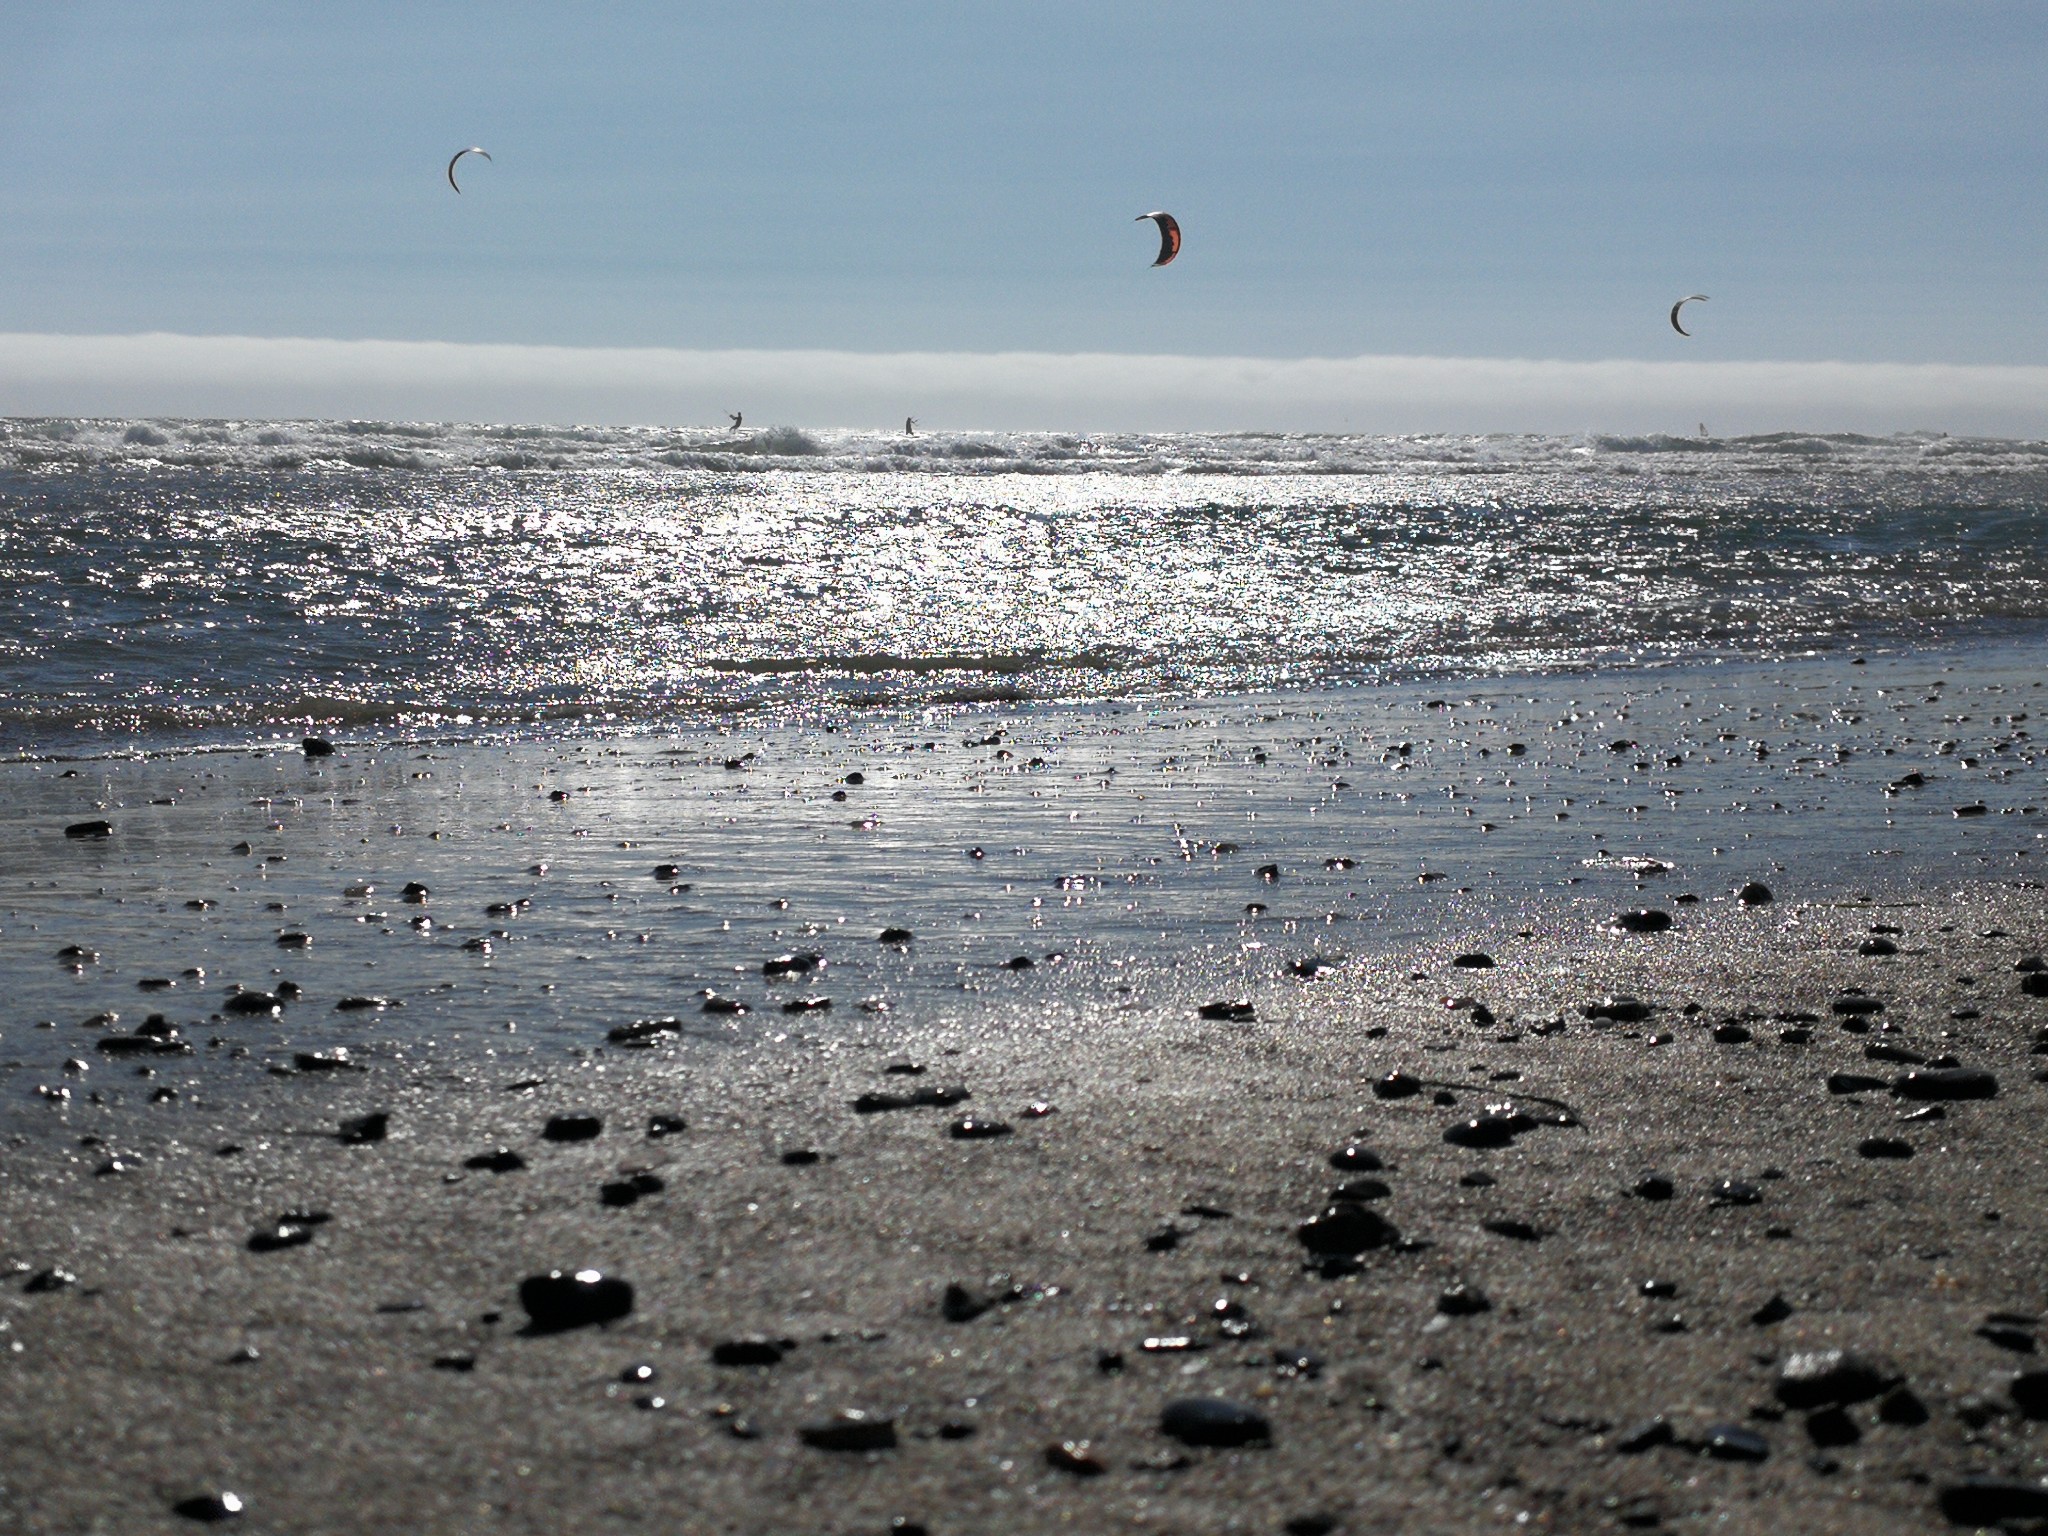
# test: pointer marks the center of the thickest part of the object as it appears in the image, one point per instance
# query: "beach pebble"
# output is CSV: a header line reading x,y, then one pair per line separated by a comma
x,y
1855,1082
1855,1005
557,1301
1354,1158
629,1190
1463,1300
1884,1147
358,1004
1877,947
850,1430
2029,1391
363,1129
253,1003
44,1281
283,1233
1755,894
1642,920
1075,1456
1654,1186
2035,984
317,746
1621,1009
1734,1192
576,1125
659,1126
1984,1501
1946,1083
210,1508
1474,962
90,829
335,1059
1343,1229
1830,1378
1214,1421
895,936
976,1128
1776,1310
1239,1012
1396,1085
748,1351
1482,1131
1902,1406
502,1160
1731,1442
1645,1437
1361,1189
1509,1227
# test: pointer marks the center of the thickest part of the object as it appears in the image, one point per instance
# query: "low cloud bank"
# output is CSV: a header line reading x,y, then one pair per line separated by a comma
x,y
170,375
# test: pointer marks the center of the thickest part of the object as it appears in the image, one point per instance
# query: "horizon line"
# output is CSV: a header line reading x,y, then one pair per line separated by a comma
x,y
168,373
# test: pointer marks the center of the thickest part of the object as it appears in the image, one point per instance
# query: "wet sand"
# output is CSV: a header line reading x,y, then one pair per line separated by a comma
x,y
395,1385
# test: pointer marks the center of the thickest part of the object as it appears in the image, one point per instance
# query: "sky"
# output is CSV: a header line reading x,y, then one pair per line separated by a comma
x,y
1858,184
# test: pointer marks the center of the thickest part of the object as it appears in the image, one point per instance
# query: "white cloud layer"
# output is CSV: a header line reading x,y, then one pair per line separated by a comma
x,y
241,376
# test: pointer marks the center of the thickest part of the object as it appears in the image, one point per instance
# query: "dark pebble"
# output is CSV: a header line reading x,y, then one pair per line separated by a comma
x,y
253,1002
627,1191
1235,1012
1776,1310
280,1234
2030,1393
1642,920
1755,894
575,1126
807,1005
724,1005
850,1430
1855,1082
896,936
1396,1085
1356,1159
1520,1231
1361,1189
976,1128
659,1126
1731,1442
801,1157
1076,1457
1622,1010
2007,1336
1345,1228
1731,1034
503,1160
1214,1421
317,746
1884,1147
1646,1437
1877,947
359,1004
1902,1406
90,829
210,1508
1830,1378
792,965
1946,1083
459,1363
335,1060
751,1351
1474,962
364,1129
1884,1050
1735,1192
557,1301
1993,1500
1463,1300
1855,1006
1481,1131
45,1281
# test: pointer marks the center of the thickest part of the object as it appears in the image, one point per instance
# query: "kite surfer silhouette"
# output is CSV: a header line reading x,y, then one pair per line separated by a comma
x,y
910,426
737,417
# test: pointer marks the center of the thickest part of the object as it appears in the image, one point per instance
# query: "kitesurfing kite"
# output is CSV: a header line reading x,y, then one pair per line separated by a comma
x,y
1169,235
1690,298
473,149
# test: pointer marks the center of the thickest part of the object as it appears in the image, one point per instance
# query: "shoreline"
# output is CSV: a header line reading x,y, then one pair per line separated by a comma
x,y
1078,888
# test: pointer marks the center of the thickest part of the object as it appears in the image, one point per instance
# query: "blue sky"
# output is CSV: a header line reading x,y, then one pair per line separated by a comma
x,y
1860,182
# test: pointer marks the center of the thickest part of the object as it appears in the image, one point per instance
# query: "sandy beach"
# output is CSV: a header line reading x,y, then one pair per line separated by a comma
x,y
1496,1316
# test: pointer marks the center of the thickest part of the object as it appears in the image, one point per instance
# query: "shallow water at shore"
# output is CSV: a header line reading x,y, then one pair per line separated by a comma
x,y
1054,864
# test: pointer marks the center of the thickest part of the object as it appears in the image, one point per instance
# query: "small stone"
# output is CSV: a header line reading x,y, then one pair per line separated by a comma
x,y
1855,1082
1074,1456
1776,1310
1884,1147
850,1430
336,1059
1642,920
1831,1428
1985,1501
1755,894
501,1160
896,936
557,1301
363,1129
1855,1005
210,1508
748,1351
659,1126
1946,1084
45,1281
575,1126
253,1003
1463,1300
1830,1378
1902,1406
1654,1186
317,746
1396,1085
1482,1131
1214,1421
2029,1391
1520,1231
1731,1442
283,1233
460,1363
1646,1437
1735,1192
1731,1034
1345,1228
90,829
1361,1189
1234,1012
1474,962
976,1128
1353,1158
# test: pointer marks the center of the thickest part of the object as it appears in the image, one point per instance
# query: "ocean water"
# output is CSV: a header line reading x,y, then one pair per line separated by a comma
x,y
168,583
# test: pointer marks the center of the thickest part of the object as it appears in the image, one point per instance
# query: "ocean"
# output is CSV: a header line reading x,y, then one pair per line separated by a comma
x,y
184,583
